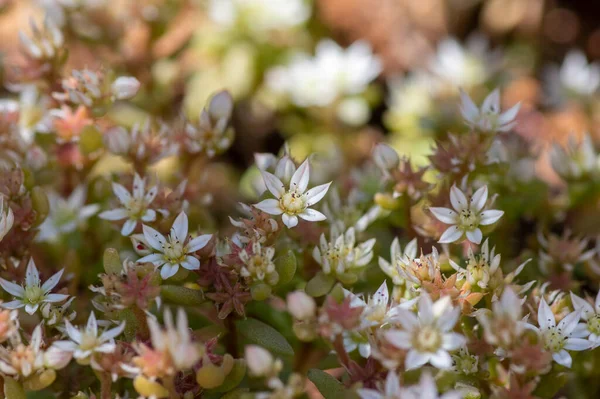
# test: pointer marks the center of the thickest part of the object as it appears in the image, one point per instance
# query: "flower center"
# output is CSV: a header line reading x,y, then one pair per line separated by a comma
x,y
554,340
33,294
468,219
594,324
88,342
427,339
136,207
292,202
174,251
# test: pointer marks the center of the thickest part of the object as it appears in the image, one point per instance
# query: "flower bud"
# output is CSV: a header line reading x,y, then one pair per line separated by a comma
x,y
300,305
40,381
210,376
148,388
39,202
259,360
117,140
221,105
385,157
125,87
36,158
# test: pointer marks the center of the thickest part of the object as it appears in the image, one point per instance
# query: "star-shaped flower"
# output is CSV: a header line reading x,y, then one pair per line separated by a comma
x,y
488,118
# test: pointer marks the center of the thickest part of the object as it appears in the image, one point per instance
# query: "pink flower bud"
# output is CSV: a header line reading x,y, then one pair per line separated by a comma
x,y
259,360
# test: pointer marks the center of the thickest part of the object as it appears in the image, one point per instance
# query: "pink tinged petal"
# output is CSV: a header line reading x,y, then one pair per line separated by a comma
x,y
73,333
316,194
152,258
301,177
112,333
149,216
154,238
12,288
491,102
445,215
441,359
179,230
458,199
92,325
32,276
121,193
274,185
453,341
52,298
489,217
563,358
545,316
290,221
479,199
577,344
475,236
114,214
128,227
452,234
311,215
13,305
168,270
270,206
416,359
399,338
509,115
468,108
198,243
190,263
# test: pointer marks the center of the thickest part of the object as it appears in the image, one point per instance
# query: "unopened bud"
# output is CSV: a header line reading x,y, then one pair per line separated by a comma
x,y
210,376
259,360
40,381
39,202
148,388
125,87
385,157
36,158
300,305
221,105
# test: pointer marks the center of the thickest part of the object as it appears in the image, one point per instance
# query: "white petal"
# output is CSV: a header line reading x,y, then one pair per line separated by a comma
x,y
545,316
415,359
12,305
316,194
444,215
563,358
138,186
274,185
468,108
180,227
577,344
32,276
73,333
154,238
168,270
491,102
52,298
569,322
112,333
52,281
381,296
311,215
452,234
198,243
157,259
121,193
12,288
301,177
441,360
509,115
128,227
149,216
479,199
190,263
399,338
453,341
475,236
92,325
270,206
489,217
114,214
289,221
458,199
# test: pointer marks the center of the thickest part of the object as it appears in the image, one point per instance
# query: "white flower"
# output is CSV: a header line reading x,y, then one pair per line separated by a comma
x,y
259,15
503,325
385,157
34,293
399,260
66,214
260,361
577,160
591,315
488,118
125,87
84,343
295,201
300,305
480,268
7,218
425,389
577,75
135,205
466,217
391,390
258,263
174,250
340,256
558,339
428,335
45,42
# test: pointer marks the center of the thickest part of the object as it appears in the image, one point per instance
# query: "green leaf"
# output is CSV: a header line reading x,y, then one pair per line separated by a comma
x,y
131,323
182,295
260,291
112,261
319,285
550,384
286,267
329,386
259,333
13,389
234,378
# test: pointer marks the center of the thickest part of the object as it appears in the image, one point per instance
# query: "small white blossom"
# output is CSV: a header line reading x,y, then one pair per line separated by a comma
x,y
480,268
488,118
34,293
590,329
7,218
425,389
125,87
296,201
135,205
576,77
466,217
300,305
428,336
83,343
45,42
258,263
559,338
175,250
399,260
385,157
66,214
261,362
577,160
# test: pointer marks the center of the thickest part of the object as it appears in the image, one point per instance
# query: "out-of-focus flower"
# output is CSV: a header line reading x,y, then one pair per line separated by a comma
x,y
83,343
259,16
34,293
300,305
428,336
393,268
7,218
125,87
260,361
503,325
332,73
467,216
341,257
68,124
296,201
46,41
174,250
558,339
385,157
9,324
576,161
135,205
66,214
425,389
488,118
575,78
562,252
590,329
258,264
117,140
